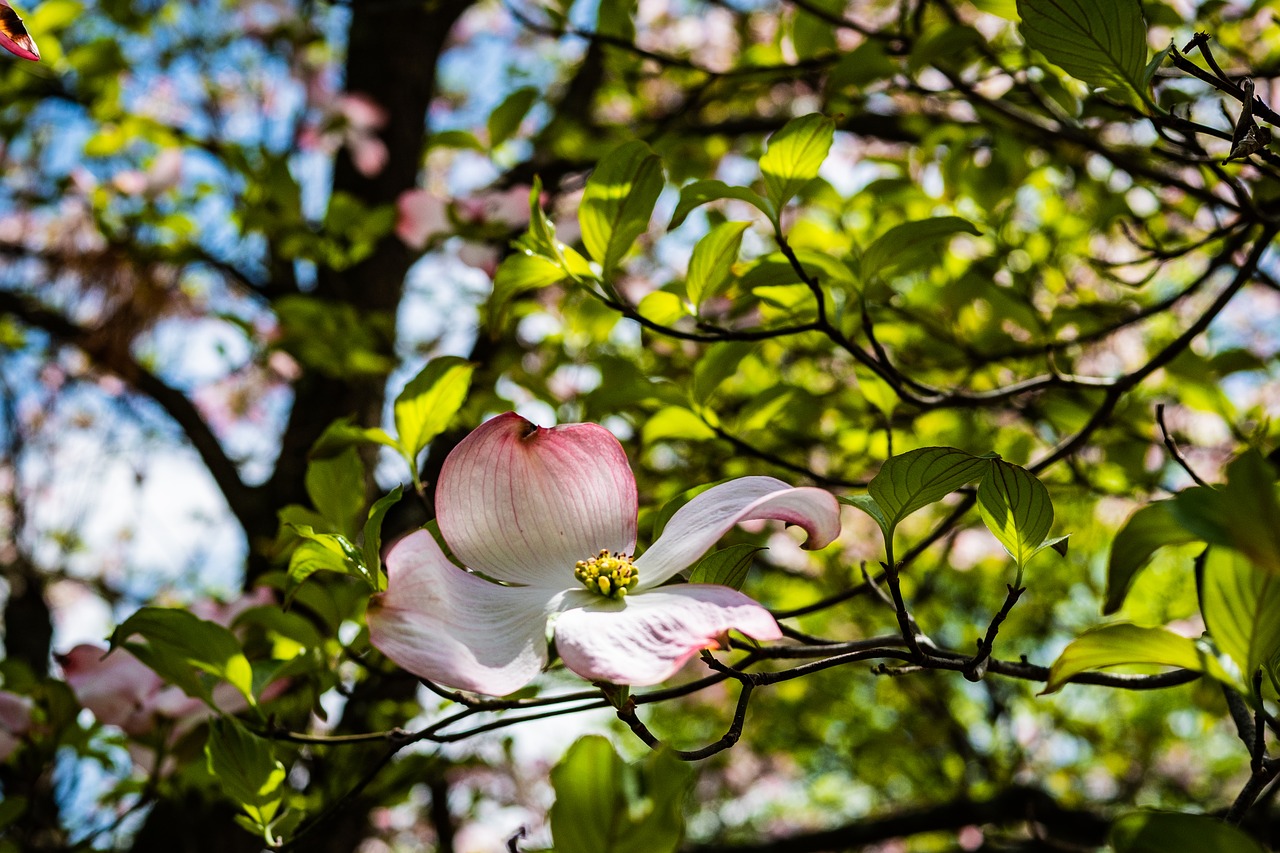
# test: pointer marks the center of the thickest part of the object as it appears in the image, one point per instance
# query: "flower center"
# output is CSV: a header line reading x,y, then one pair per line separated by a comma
x,y
607,574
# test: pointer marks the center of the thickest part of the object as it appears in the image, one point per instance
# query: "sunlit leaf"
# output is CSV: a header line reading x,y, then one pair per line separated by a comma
x,y
430,401
698,193
1122,643
618,202
916,479
1016,508
712,261
726,567
1102,42
1241,607
1147,530
794,155
903,241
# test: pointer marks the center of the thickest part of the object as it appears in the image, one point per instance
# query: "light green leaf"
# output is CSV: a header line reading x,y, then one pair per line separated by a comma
x,y
323,552
1169,832
1122,643
662,307
902,242
1016,508
176,641
1241,607
430,401
726,567
916,479
793,157
699,193
523,271
343,433
603,805
335,485
244,765
675,422
373,536
1102,42
618,202
505,120
1146,531
712,261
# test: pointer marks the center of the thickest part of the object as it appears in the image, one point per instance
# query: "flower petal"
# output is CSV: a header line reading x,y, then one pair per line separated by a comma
x,y
645,639
14,36
117,687
523,504
454,628
697,525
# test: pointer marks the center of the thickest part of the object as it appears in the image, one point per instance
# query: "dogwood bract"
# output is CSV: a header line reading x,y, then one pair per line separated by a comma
x,y
550,515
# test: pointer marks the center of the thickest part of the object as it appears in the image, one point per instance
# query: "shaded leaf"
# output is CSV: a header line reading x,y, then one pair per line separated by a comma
x,y
244,765
916,479
373,535
900,242
177,641
1146,531
1169,832
726,567
505,120
335,485
699,193
1102,42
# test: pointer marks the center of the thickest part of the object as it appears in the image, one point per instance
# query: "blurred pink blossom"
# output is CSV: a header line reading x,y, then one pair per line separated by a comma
x,y
15,722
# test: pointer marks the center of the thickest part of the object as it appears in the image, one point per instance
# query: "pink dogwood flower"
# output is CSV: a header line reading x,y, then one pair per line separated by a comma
x,y
550,516
15,722
14,36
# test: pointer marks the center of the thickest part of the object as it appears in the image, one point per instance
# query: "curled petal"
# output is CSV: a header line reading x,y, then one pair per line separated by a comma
x,y
701,522
645,639
450,626
523,504
14,36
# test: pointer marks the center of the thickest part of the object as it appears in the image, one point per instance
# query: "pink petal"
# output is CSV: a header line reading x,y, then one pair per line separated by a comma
x,y
368,153
644,639
701,522
14,36
119,689
361,111
523,504
450,626
421,215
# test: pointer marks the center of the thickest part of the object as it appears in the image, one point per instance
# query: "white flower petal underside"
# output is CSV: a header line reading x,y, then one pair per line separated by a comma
x,y
454,628
523,504
645,639
701,522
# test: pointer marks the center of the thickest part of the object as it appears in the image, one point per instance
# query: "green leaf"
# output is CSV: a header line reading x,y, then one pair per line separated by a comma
x,y
699,193
373,536
618,202
523,271
868,504
603,805
1146,531
244,765
1241,607
324,552
1016,508
429,402
793,157
343,433
177,641
712,261
726,567
1243,514
916,479
1122,643
335,485
902,242
662,307
1169,832
675,422
1102,42
505,120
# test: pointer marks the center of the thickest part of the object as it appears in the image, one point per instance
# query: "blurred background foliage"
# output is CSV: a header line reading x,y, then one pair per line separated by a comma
x,y
224,226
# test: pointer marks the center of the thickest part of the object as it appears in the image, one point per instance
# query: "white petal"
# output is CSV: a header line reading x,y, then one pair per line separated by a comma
x,y
523,504
454,628
701,522
645,639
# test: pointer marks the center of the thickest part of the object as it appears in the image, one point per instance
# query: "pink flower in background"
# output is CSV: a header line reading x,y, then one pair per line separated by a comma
x,y
122,691
164,174
15,722
350,120
552,513
421,215
14,36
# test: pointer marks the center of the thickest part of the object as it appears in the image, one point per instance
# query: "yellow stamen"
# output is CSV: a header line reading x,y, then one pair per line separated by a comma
x,y
607,574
